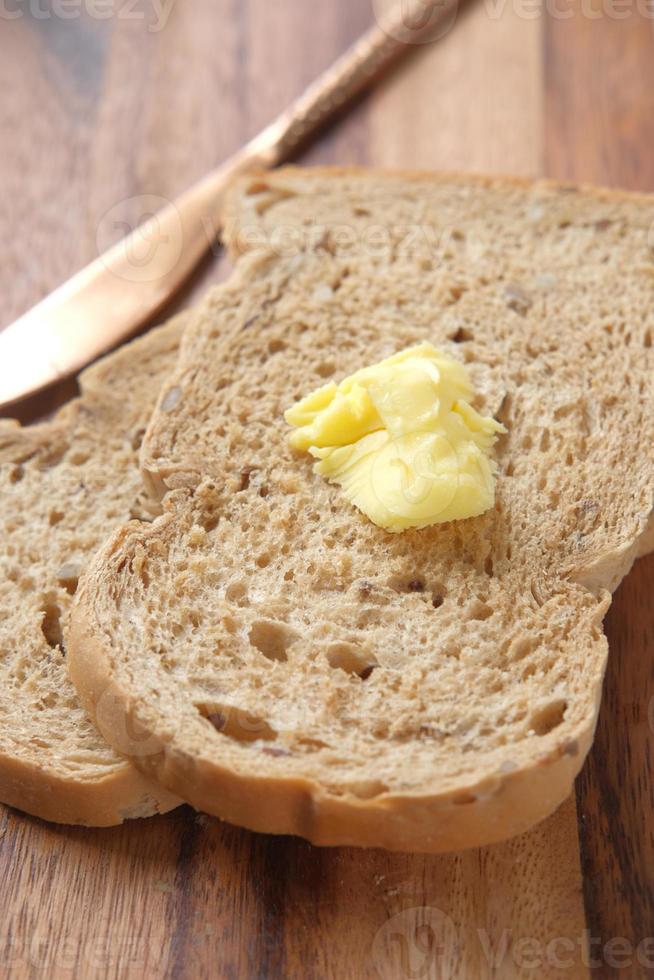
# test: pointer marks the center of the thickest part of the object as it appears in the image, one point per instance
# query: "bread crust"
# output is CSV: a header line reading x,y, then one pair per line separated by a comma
x,y
123,795
484,812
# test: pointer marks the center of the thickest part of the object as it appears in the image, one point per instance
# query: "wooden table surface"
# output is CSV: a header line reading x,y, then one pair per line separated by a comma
x,y
95,112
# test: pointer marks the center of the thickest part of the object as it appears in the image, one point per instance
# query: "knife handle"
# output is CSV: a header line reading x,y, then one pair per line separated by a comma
x,y
406,24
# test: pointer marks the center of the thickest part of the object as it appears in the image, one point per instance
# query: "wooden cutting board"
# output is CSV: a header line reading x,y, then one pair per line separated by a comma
x,y
96,112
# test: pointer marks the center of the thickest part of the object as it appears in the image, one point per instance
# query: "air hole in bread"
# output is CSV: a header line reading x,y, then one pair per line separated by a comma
x,y
55,517
209,521
548,717
437,600
351,659
237,592
517,298
275,752
236,723
461,336
538,592
272,639
137,439
406,583
78,458
480,610
369,616
454,294
504,411
230,624
451,650
246,473
489,567
68,576
326,369
54,456
520,647
366,789
51,624
171,398
312,743
276,346
16,473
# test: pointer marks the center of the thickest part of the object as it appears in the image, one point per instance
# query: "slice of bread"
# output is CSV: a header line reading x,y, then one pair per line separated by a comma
x,y
295,668
64,484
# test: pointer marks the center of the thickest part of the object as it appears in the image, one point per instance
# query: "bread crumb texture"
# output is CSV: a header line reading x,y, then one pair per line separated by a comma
x,y
268,634
64,485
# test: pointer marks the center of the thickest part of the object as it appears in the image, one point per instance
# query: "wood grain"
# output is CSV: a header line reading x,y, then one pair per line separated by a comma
x,y
113,111
599,94
600,127
473,101
186,896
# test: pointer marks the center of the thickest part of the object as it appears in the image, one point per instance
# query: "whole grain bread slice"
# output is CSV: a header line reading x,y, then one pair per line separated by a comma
x,y
64,484
296,669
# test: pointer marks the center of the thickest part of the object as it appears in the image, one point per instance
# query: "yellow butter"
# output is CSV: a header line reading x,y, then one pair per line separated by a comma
x,y
402,440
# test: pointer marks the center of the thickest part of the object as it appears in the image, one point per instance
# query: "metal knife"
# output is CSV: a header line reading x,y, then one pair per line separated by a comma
x,y
113,296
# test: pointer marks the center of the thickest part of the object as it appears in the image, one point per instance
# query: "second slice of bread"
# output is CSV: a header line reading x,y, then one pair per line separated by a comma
x,y
64,484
